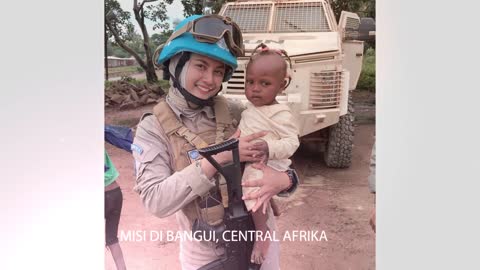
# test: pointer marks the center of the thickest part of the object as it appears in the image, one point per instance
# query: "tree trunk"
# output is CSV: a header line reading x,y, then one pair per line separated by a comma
x,y
150,68
151,75
105,59
126,48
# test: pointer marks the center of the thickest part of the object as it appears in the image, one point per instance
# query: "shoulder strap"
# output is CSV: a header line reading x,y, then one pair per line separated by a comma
x,y
166,117
223,117
171,125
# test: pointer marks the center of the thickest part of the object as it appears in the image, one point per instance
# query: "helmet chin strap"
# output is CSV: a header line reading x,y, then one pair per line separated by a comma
x,y
188,96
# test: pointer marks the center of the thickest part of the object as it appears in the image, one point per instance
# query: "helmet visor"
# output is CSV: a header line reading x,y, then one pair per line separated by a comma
x,y
211,29
214,27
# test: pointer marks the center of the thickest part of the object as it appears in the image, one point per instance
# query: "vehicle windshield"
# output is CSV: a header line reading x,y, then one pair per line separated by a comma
x,y
287,17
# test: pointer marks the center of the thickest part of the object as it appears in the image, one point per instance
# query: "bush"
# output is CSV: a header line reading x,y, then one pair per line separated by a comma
x,y
367,76
164,84
108,84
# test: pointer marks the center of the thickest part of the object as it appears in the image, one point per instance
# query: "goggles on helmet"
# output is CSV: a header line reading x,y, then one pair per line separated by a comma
x,y
211,29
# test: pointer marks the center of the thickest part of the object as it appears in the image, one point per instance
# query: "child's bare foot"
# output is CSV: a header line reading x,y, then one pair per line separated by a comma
x,y
261,244
259,251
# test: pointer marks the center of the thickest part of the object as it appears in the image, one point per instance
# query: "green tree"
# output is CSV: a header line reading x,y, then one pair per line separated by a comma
x,y
370,9
119,26
217,5
192,7
346,5
364,8
159,38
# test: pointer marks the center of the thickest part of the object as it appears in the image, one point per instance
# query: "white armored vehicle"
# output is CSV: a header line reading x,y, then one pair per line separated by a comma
x,y
326,64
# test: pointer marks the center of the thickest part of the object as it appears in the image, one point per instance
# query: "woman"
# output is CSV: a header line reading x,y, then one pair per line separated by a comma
x,y
171,179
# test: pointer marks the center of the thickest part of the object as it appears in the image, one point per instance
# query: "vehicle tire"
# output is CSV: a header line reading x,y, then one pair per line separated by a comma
x,y
339,148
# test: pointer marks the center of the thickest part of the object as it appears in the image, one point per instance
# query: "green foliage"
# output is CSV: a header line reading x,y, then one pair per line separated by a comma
x,y
364,8
119,26
192,7
164,84
157,39
118,51
108,84
157,13
118,18
135,43
367,76
125,69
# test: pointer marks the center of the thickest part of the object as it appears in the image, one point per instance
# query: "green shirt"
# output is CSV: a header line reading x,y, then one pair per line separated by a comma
x,y
110,172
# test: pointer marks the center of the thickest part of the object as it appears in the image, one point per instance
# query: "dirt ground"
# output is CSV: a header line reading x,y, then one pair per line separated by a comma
x,y
336,201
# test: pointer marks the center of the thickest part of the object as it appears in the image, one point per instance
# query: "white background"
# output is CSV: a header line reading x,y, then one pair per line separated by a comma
x,y
52,135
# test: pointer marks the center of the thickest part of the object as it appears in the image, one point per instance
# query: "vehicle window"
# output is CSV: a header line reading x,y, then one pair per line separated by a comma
x,y
300,17
251,18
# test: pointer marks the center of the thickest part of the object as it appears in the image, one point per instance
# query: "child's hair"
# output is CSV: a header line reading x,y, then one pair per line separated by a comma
x,y
263,50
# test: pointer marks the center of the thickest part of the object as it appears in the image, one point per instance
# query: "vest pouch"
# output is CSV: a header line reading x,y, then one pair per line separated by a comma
x,y
213,216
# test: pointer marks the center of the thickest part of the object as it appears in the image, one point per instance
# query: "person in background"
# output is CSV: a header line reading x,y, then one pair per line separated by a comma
x,y
113,209
372,186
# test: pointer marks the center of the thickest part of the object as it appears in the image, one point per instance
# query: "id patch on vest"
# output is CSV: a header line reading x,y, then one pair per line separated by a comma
x,y
193,155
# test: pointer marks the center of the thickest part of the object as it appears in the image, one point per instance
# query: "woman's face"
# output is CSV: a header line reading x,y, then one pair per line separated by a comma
x,y
204,76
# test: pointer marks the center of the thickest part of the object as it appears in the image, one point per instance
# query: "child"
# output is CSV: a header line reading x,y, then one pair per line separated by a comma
x,y
113,208
266,77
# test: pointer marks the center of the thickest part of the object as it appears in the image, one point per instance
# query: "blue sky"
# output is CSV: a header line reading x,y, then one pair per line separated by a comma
x,y
174,11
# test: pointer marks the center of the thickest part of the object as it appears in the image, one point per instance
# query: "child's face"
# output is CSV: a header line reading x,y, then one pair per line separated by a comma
x,y
265,79
204,76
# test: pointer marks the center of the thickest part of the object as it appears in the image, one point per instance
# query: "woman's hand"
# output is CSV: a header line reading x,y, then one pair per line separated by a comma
x,y
262,146
248,151
272,183
252,151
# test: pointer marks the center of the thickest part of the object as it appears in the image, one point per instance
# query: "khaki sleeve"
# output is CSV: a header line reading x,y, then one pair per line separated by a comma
x,y
284,123
163,191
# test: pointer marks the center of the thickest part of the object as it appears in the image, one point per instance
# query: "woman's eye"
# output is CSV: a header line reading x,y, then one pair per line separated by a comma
x,y
219,72
201,66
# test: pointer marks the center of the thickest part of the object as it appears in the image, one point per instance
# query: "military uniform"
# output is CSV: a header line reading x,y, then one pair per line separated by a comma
x,y
168,182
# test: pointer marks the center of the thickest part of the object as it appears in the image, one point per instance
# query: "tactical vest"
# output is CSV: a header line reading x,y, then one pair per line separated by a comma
x,y
209,207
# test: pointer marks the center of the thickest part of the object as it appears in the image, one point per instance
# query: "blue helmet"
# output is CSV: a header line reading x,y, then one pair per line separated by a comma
x,y
187,43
